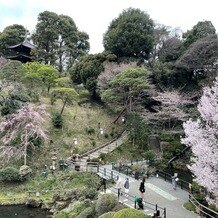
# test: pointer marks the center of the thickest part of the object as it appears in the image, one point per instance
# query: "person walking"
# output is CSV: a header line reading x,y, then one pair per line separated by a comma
x,y
126,186
142,187
104,184
119,186
174,180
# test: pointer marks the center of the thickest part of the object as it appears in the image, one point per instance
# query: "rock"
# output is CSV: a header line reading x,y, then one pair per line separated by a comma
x,y
33,203
59,205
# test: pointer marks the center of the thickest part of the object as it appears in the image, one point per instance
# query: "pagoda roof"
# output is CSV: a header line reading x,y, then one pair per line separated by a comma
x,y
25,44
21,57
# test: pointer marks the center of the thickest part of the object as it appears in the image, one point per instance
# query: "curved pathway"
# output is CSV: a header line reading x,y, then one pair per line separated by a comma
x,y
157,192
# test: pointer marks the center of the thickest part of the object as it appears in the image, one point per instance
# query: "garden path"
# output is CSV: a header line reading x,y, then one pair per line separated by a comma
x,y
158,192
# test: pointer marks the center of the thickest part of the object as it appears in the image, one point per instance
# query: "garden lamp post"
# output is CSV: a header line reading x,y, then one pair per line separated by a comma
x,y
101,131
75,141
123,119
54,158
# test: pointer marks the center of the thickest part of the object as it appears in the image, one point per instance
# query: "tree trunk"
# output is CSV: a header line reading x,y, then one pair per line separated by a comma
x,y
25,149
62,109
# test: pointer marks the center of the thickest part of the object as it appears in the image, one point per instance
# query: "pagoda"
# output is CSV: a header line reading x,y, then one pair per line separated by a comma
x,y
21,52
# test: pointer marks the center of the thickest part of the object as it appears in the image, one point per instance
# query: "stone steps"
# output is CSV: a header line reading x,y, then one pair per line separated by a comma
x,y
107,149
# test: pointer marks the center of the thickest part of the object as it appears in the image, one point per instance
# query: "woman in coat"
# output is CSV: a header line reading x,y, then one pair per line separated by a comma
x,y
142,188
126,186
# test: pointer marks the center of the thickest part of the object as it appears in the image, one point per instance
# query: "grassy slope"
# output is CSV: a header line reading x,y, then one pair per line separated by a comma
x,y
77,119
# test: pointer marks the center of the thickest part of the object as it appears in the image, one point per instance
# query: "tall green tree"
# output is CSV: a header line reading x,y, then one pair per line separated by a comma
x,y
200,59
40,74
200,30
66,95
130,35
58,40
138,130
11,35
87,70
125,87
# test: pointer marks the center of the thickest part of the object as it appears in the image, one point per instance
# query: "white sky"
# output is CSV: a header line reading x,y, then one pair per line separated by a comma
x,y
94,16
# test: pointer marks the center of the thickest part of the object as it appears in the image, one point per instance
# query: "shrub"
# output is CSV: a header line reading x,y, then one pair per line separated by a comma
x,y
90,193
107,215
89,212
149,155
105,203
9,174
189,206
5,110
57,120
106,135
93,143
79,206
62,214
129,212
90,130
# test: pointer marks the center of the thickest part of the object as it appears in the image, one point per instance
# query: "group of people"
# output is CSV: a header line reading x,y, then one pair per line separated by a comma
x,y
139,200
126,185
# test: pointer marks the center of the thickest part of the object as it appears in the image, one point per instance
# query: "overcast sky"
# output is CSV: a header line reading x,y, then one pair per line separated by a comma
x,y
94,16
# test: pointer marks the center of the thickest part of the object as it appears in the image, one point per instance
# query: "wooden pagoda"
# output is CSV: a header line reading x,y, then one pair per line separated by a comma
x,y
21,52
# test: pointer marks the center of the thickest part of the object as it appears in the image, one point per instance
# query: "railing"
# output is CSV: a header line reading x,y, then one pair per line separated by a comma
x,y
101,146
167,177
126,169
203,211
112,175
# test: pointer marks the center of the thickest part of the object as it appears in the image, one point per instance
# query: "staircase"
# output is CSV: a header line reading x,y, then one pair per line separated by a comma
x,y
105,148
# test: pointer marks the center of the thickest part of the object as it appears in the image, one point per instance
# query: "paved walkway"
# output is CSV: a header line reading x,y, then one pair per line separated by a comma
x,y
157,192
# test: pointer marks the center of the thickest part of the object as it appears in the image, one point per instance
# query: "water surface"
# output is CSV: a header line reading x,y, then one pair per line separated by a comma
x,y
21,211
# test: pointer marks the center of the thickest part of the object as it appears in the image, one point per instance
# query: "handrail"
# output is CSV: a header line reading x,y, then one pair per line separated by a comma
x,y
110,174
165,175
101,146
178,155
200,207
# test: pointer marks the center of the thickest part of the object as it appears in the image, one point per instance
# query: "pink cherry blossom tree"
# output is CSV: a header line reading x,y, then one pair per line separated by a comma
x,y
202,136
18,130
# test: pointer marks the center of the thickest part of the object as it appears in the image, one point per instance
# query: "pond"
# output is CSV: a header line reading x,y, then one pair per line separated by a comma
x,y
22,211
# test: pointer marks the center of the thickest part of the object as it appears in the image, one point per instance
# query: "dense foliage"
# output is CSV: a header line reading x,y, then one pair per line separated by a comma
x,y
105,203
126,86
130,35
9,174
87,70
200,30
58,40
11,35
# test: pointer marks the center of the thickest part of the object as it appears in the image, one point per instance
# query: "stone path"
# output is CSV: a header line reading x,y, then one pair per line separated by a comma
x,y
157,192
110,147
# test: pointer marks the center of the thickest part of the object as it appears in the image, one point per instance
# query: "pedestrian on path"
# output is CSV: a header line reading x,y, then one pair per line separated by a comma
x,y
119,186
175,180
104,183
142,187
126,186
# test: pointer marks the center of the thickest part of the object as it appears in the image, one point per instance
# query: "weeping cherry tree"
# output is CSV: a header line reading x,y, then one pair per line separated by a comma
x,y
19,130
